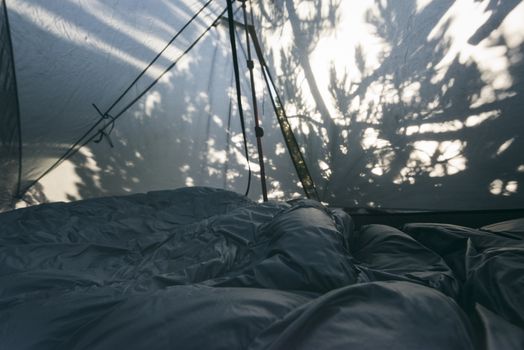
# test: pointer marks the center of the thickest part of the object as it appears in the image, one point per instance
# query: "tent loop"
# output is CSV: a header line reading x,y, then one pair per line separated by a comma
x,y
101,132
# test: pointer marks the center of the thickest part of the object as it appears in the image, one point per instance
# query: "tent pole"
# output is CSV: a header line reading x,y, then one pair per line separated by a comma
x,y
289,137
259,132
231,22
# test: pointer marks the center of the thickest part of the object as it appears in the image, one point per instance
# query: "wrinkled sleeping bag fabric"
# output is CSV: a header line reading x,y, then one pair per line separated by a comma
x,y
202,268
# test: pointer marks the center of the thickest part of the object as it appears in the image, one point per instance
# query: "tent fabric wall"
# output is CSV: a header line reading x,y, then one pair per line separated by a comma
x,y
404,105
183,132
9,117
408,105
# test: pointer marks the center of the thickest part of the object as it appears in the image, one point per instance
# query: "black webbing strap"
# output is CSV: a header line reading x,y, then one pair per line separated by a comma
x,y
231,22
289,137
259,132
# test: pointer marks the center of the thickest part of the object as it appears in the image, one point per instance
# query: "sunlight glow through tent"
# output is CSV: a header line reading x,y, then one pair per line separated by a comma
x,y
391,103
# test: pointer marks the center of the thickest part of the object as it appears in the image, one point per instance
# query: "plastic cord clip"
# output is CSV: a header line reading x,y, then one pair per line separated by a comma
x,y
102,133
259,132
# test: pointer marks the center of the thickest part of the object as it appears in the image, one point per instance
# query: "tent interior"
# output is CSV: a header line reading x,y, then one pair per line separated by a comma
x,y
132,176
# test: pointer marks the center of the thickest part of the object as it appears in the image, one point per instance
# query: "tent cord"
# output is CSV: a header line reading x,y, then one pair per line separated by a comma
x,y
74,149
231,22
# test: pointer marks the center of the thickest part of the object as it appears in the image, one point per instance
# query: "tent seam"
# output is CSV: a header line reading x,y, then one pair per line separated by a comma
x,y
18,193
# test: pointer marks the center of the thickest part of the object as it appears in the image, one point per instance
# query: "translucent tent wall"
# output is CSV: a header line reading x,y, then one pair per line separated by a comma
x,y
9,121
412,104
185,131
405,104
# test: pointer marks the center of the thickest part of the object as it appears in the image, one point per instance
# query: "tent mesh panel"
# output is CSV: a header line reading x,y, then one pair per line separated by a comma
x,y
9,117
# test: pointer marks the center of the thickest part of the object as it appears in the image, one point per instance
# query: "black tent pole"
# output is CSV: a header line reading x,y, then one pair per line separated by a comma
x,y
231,22
259,132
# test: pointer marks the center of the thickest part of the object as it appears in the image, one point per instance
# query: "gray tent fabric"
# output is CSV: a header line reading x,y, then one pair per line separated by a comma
x,y
10,140
406,105
183,132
